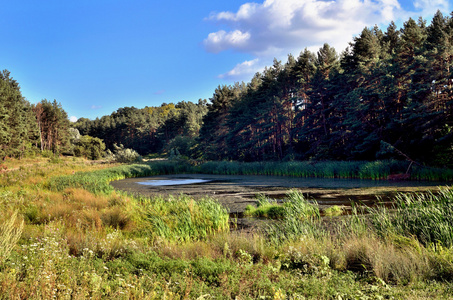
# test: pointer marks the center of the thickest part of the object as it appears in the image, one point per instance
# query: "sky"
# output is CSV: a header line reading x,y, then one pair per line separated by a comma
x,y
95,56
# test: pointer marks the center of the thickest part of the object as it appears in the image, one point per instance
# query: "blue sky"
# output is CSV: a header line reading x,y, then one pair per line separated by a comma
x,y
97,56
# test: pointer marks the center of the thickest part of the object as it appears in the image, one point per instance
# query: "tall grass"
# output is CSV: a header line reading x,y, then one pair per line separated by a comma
x,y
80,240
10,233
300,219
427,216
97,182
182,218
375,170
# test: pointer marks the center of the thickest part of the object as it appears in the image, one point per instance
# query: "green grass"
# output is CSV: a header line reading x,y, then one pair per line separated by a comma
x,y
427,216
97,182
265,208
376,170
81,239
181,218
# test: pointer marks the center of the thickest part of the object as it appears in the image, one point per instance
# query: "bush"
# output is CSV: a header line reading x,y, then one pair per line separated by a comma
x,y
89,147
181,145
123,155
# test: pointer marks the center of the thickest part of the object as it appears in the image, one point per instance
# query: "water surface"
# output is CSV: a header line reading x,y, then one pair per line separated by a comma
x,y
165,182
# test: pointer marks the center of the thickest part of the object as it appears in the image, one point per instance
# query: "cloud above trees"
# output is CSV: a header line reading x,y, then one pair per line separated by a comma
x,y
276,28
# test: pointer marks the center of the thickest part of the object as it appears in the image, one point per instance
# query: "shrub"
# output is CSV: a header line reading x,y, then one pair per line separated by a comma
x,y
90,147
123,155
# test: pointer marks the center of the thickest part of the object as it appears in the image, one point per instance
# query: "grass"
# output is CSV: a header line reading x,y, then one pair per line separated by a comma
x,y
376,170
265,208
426,216
182,218
80,239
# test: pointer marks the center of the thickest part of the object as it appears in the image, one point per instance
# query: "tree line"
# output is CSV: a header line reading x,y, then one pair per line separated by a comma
x,y
388,95
151,129
26,128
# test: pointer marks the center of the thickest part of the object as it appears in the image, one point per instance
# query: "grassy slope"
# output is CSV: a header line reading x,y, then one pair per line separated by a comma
x,y
80,239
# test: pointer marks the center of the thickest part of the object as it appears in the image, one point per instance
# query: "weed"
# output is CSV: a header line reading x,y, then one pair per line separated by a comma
x,y
333,211
182,218
10,233
427,216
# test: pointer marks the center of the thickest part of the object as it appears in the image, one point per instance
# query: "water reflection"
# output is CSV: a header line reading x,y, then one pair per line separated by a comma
x,y
173,182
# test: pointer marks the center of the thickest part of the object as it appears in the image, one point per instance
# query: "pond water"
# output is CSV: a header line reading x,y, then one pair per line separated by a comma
x,y
238,191
165,182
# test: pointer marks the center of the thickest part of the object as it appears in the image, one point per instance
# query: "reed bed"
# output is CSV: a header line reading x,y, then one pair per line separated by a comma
x,y
427,216
376,170
182,218
97,182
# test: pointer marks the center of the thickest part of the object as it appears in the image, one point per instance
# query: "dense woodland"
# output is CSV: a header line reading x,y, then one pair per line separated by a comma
x,y
388,95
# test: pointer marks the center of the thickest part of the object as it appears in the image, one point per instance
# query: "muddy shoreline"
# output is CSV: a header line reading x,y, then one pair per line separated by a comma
x,y
235,192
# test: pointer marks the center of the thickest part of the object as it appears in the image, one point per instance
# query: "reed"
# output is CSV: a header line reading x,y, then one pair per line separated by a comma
x,y
300,219
375,170
81,240
10,233
97,182
181,218
427,216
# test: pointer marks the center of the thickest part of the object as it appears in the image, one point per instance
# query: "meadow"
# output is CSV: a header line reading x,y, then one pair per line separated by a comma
x,y
66,234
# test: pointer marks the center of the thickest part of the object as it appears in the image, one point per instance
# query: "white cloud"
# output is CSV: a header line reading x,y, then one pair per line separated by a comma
x,y
96,106
429,7
73,119
246,68
221,40
275,28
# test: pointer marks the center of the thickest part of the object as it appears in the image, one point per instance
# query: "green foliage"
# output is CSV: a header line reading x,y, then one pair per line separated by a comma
x,y
183,145
333,211
17,123
10,233
123,155
89,147
428,217
266,208
147,130
182,218
375,170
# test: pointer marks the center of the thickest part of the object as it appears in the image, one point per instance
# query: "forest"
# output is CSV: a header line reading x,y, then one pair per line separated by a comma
x,y
388,95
